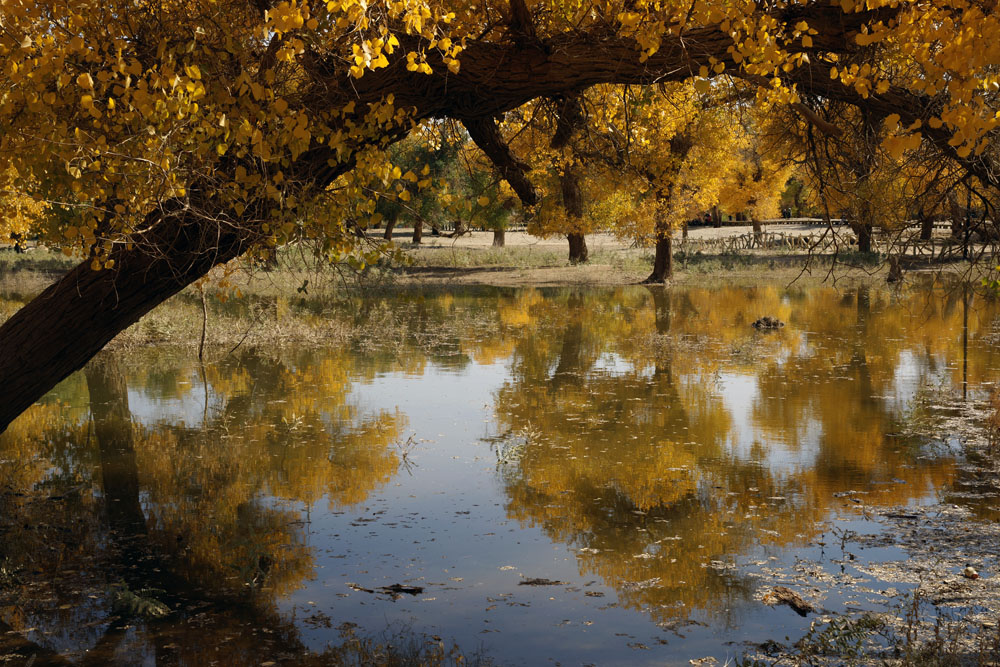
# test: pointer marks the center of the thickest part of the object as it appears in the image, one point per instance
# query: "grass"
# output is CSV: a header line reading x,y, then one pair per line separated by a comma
x,y
297,299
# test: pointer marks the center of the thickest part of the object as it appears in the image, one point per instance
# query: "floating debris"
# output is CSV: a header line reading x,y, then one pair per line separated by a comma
x,y
784,595
539,581
768,322
356,587
397,589
141,603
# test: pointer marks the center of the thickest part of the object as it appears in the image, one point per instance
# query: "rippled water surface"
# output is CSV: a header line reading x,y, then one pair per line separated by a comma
x,y
637,454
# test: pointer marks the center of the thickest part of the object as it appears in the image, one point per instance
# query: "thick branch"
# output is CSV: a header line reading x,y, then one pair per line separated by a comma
x,y
486,134
522,27
569,119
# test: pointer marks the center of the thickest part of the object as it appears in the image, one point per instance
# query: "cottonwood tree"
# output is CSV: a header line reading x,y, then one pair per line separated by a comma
x,y
172,136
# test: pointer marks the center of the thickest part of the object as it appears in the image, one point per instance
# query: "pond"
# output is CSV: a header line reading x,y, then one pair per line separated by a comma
x,y
574,476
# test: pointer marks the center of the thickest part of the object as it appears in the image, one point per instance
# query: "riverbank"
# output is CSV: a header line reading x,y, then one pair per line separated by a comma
x,y
287,301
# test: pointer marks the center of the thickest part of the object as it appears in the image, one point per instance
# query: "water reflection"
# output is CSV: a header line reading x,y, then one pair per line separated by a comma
x,y
652,433
704,438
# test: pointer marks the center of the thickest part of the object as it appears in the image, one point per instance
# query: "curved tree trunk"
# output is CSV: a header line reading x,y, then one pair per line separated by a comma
x,y
499,238
957,218
62,328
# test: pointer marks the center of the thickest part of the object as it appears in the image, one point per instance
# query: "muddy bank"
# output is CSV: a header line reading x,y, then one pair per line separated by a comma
x,y
899,585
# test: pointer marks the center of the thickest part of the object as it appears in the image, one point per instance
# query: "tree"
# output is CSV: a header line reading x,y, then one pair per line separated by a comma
x,y
172,137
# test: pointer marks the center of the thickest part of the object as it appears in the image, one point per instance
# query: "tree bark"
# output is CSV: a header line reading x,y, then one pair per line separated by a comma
x,y
716,217
499,238
663,261
418,231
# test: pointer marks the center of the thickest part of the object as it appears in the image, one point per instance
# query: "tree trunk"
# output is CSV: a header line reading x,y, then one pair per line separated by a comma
x,y
864,234
572,198
758,231
499,238
418,231
957,219
67,324
390,224
663,262
578,252
716,217
926,226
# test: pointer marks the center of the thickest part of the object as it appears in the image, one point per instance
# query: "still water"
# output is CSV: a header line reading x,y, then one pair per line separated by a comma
x,y
535,476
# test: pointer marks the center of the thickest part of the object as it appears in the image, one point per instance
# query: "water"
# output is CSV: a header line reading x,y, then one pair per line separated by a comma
x,y
641,454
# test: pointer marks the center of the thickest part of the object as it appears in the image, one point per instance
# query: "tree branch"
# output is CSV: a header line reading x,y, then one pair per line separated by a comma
x,y
522,27
814,118
486,134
